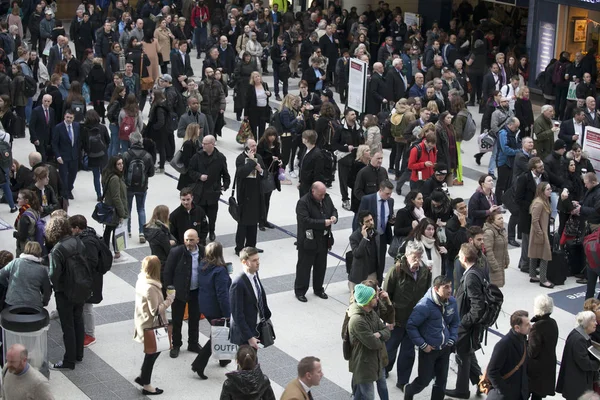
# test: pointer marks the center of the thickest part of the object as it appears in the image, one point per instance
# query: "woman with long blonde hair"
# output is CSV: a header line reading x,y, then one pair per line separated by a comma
x,y
192,142
539,242
257,110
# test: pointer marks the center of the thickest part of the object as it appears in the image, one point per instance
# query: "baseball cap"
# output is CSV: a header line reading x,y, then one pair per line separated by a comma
x,y
166,77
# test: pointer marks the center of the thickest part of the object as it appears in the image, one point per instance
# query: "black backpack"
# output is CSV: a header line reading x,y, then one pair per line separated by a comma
x,y
275,121
29,86
346,345
136,178
79,278
493,299
97,147
105,257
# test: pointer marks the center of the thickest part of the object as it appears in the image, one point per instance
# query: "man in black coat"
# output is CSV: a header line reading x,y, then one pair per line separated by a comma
x,y
181,271
365,244
510,352
181,66
471,306
370,177
208,169
342,72
280,55
188,216
104,40
35,160
380,90
250,169
435,182
314,75
307,48
40,126
315,214
397,80
573,130
312,163
586,88
330,46
227,56
491,82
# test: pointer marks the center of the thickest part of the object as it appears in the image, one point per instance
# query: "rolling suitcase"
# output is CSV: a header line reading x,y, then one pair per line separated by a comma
x,y
558,267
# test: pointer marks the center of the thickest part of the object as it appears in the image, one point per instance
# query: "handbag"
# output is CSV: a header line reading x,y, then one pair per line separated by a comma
x,y
244,133
267,333
267,184
573,227
485,385
177,162
395,246
591,249
234,208
157,338
103,214
146,83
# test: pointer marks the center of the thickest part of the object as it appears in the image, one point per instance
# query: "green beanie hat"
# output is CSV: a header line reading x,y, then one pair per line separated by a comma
x,y
363,294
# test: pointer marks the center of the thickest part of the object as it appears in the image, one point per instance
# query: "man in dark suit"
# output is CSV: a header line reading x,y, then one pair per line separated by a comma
x,y
491,82
315,214
591,113
73,65
66,147
248,301
54,92
572,130
379,91
250,169
40,126
280,55
56,53
396,79
307,49
312,167
181,66
381,206
330,45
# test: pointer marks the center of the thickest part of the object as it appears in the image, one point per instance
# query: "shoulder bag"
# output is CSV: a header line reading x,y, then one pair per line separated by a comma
x,y
177,162
103,214
485,385
146,83
234,209
267,183
157,338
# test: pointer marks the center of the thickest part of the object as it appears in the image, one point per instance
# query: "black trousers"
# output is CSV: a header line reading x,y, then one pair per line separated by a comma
x,y
307,260
109,230
432,365
41,148
468,369
286,150
245,236
258,121
211,211
147,366
203,356
71,322
344,166
267,205
396,156
178,308
504,179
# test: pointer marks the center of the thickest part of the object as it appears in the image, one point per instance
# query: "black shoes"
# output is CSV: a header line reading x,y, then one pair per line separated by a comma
x,y
224,363
322,295
277,97
200,374
174,353
156,391
457,395
260,250
261,227
401,386
269,225
138,380
211,237
60,366
194,348
478,158
302,298
14,210
71,196
514,243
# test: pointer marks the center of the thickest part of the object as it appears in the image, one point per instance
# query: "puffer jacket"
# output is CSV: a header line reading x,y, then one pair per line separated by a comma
x,y
159,236
368,352
496,250
27,282
404,291
428,326
213,96
247,385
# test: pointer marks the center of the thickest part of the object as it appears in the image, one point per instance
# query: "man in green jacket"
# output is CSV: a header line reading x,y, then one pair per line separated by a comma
x,y
367,338
544,131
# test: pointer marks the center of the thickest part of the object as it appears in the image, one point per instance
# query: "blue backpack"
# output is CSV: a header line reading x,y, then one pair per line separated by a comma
x,y
40,229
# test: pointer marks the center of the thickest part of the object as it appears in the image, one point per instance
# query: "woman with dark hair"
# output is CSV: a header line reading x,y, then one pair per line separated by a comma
x,y
113,60
17,91
408,218
582,162
213,298
248,381
192,143
483,202
40,73
25,224
87,63
159,237
150,49
65,84
540,252
46,196
425,236
95,142
446,143
7,118
241,77
96,81
115,195
75,101
126,34
270,150
116,104
325,125
524,69
157,127
129,115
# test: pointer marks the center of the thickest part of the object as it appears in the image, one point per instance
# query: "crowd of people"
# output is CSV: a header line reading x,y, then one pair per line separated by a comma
x,y
81,94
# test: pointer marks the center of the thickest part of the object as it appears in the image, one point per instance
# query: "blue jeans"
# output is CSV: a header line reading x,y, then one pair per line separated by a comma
x,y
399,338
200,36
492,165
140,204
96,171
7,192
364,391
124,144
113,147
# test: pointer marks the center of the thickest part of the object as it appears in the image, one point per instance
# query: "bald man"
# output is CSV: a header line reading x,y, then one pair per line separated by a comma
x,y
21,380
40,126
592,115
181,271
315,214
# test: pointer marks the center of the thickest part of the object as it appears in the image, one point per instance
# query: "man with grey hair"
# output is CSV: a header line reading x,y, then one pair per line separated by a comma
x,y
544,131
138,31
418,89
592,115
406,283
138,166
21,380
436,69
397,80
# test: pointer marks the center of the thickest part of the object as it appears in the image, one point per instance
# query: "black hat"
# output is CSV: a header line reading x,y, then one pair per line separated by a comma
x,y
441,169
560,144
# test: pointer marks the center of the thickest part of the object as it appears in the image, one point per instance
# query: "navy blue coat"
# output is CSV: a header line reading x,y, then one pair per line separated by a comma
x,y
433,325
61,144
38,128
508,352
244,310
213,290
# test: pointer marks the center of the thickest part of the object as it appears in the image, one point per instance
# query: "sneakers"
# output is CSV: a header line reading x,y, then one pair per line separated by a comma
x,y
54,314
346,205
88,341
293,174
59,365
142,238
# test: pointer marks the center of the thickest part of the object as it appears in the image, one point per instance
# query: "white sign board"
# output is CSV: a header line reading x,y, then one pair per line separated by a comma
x,y
412,18
591,145
357,85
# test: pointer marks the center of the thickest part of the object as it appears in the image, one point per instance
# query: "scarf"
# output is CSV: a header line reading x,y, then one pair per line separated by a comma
x,y
433,261
21,211
419,213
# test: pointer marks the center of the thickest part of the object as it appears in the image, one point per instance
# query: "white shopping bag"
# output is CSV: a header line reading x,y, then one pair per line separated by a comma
x,y
163,342
46,50
222,348
121,236
571,94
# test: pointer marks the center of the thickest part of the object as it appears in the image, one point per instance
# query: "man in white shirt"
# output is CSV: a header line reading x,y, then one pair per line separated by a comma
x,y
571,131
511,90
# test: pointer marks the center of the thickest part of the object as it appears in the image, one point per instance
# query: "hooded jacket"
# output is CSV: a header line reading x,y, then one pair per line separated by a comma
x,y
247,385
27,281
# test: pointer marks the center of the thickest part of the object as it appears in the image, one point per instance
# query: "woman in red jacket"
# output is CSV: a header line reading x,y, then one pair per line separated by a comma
x,y
422,157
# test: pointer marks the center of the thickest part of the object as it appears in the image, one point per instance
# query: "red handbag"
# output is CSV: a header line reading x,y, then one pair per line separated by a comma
x,y
591,248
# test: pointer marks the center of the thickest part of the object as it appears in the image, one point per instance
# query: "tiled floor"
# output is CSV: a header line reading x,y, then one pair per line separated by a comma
x,y
109,366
